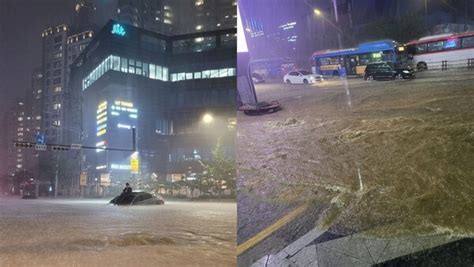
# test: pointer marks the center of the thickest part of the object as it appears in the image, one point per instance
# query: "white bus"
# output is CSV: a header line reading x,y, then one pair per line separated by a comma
x,y
444,50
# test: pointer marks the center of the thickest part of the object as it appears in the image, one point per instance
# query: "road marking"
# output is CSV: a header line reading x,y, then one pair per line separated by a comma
x,y
270,230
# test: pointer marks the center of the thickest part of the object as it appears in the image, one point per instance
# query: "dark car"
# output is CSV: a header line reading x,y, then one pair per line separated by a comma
x,y
257,78
29,194
385,70
138,198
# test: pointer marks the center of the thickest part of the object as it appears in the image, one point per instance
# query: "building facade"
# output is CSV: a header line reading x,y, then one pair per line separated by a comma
x,y
162,86
178,16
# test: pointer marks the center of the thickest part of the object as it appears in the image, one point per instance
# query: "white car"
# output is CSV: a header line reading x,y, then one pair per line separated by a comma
x,y
301,76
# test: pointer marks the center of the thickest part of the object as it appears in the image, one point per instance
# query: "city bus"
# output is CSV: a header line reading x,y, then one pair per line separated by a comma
x,y
455,50
352,61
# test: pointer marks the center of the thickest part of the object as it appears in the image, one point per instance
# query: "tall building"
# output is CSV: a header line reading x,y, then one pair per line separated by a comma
x,y
84,12
60,49
161,85
37,99
178,16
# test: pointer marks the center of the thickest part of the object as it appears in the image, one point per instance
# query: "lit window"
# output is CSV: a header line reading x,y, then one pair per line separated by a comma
x,y
133,116
199,2
173,77
197,75
214,73
20,118
206,74
101,132
115,113
181,76
124,126
189,75
198,27
223,73
167,21
57,106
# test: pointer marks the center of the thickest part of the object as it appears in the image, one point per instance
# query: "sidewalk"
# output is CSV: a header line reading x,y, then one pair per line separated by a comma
x,y
321,248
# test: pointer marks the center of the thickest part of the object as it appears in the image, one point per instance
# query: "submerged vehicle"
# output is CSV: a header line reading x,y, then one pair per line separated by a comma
x,y
138,198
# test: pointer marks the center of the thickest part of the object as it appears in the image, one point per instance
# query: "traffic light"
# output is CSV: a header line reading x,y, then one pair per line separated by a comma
x,y
60,148
23,144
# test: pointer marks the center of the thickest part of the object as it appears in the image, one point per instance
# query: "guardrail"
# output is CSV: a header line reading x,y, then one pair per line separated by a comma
x,y
451,64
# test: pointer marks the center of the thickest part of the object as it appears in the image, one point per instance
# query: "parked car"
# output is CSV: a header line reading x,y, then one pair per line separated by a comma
x,y
257,78
301,76
138,198
384,70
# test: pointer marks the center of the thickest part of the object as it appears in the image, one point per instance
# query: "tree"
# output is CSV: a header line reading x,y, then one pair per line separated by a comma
x,y
410,26
220,171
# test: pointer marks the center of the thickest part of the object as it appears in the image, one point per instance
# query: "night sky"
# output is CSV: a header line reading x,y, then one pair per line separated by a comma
x,y
21,23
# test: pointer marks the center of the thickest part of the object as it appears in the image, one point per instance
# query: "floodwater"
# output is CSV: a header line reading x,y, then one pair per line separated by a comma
x,y
44,232
397,159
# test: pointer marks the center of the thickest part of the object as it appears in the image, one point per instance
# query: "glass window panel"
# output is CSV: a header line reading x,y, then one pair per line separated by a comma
x,y
131,68
223,73
468,41
159,72
231,71
165,74
214,73
173,77
124,64
206,74
435,46
181,76
152,71
189,75
145,71
116,63
131,62
197,75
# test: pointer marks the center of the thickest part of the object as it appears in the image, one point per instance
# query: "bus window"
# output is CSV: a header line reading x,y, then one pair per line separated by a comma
x,y
435,46
468,42
421,48
451,44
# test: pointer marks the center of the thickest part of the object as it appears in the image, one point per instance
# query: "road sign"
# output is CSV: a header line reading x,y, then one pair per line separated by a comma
x,y
83,179
39,147
76,146
134,165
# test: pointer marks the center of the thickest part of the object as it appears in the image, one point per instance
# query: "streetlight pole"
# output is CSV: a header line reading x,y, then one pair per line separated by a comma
x,y
337,23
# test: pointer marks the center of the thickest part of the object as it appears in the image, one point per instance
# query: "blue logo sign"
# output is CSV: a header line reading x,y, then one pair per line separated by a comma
x,y
118,29
40,139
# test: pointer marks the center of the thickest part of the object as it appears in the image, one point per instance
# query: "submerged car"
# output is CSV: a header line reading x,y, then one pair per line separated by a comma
x,y
385,70
257,78
29,194
138,198
302,76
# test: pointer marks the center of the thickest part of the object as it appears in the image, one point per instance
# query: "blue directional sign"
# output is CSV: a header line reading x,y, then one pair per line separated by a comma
x,y
118,29
40,139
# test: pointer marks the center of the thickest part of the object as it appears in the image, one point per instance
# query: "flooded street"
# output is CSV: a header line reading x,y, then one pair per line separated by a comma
x,y
392,158
45,232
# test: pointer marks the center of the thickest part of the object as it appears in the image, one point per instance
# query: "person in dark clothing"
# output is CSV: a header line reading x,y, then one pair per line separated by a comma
x,y
127,190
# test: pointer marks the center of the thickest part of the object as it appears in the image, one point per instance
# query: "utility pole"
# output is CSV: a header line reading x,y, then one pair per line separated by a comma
x,y
56,176
337,23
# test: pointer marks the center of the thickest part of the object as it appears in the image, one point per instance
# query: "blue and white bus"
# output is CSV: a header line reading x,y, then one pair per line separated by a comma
x,y
352,61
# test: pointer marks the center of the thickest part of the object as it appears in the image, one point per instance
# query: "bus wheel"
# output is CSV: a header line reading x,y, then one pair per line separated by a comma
x,y
288,81
399,76
421,66
369,78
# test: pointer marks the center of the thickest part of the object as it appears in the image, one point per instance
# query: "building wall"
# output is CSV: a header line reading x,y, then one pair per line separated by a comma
x,y
168,106
178,16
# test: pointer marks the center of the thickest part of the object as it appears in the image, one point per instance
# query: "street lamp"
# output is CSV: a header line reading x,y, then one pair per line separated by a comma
x,y
317,12
207,118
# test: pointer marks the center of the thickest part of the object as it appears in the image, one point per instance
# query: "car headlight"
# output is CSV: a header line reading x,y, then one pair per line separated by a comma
x,y
405,71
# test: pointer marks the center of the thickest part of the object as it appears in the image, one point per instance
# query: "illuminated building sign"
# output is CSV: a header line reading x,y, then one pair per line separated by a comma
x,y
120,167
118,29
